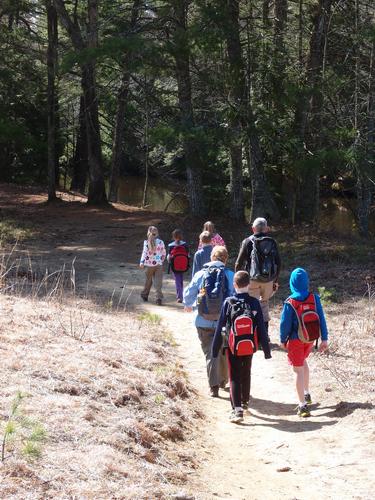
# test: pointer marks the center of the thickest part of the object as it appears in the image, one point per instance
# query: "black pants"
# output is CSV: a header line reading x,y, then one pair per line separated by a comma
x,y
239,368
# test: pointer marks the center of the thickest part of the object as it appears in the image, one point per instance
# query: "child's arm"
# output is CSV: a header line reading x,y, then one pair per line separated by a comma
x,y
195,264
323,324
163,252
191,291
168,252
229,275
144,253
218,338
286,323
262,334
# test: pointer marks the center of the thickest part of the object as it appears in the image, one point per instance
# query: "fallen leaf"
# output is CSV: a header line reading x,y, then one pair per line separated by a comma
x,y
284,469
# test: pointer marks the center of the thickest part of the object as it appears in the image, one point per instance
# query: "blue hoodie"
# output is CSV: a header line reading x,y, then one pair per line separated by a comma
x,y
299,286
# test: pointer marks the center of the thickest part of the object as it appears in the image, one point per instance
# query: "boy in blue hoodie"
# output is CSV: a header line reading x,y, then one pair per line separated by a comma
x,y
299,351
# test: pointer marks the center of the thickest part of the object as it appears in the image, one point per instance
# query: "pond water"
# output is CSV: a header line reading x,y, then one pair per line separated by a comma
x,y
162,194
336,214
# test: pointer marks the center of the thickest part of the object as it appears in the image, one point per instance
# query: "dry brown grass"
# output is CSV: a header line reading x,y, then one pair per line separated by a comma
x,y
117,408
350,360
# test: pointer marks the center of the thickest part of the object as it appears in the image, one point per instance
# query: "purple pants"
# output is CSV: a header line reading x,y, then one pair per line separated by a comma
x,y
179,280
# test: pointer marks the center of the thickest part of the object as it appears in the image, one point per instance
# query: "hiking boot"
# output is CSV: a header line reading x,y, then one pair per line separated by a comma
x,y
158,302
303,411
236,416
308,399
214,391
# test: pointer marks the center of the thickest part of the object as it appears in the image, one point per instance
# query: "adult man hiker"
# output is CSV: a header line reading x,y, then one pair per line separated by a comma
x,y
259,256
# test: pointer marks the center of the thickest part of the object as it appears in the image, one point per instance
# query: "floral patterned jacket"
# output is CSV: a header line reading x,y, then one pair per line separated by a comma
x,y
156,258
215,241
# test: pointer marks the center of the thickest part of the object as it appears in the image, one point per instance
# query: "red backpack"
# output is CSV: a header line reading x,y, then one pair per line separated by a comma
x,y
241,334
179,259
308,318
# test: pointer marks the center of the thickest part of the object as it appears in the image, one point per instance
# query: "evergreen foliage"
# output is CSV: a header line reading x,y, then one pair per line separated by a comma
x,y
252,103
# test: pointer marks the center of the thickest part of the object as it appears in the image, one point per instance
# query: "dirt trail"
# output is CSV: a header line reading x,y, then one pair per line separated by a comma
x,y
326,455
329,456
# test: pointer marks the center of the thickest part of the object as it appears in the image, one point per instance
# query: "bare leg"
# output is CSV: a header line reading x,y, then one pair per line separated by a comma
x,y
299,371
306,376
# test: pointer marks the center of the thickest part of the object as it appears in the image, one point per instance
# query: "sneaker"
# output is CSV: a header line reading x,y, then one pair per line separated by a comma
x,y
214,391
179,301
303,411
158,302
308,399
245,405
236,416
145,299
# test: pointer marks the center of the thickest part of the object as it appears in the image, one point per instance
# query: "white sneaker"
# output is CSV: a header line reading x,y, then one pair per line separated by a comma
x,y
236,416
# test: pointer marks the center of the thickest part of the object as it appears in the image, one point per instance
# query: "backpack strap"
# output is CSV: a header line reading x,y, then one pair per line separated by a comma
x,y
292,303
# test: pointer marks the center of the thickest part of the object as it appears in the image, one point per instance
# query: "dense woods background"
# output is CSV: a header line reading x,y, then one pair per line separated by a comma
x,y
255,103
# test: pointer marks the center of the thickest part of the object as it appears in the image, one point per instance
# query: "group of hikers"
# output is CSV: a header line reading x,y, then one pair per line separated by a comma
x,y
232,307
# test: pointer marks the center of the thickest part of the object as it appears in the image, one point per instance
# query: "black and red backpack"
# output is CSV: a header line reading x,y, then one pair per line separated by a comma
x,y
179,258
241,332
308,318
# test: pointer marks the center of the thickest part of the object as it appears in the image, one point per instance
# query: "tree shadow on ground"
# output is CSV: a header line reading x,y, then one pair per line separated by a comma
x,y
272,407
301,425
345,408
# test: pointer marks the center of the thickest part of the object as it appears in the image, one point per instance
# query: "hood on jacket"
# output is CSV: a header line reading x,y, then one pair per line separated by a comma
x,y
214,263
299,284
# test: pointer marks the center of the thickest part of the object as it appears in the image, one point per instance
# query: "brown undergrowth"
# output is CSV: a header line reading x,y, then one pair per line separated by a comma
x,y
114,402
350,360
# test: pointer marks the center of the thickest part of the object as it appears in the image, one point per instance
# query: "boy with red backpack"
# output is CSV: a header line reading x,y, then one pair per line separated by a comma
x,y
302,324
205,294
179,261
242,317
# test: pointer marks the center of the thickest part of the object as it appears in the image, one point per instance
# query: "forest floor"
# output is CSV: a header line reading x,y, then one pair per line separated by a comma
x,y
273,454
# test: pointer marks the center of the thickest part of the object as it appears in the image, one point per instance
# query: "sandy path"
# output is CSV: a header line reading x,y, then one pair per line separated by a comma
x,y
324,452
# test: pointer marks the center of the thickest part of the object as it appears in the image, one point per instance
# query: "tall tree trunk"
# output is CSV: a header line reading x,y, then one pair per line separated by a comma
x,y
365,170
80,160
122,100
118,140
51,97
181,53
238,97
242,122
59,148
262,202
279,58
96,194
310,112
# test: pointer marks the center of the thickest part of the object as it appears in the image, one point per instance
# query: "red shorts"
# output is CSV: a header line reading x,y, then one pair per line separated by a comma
x,y
298,351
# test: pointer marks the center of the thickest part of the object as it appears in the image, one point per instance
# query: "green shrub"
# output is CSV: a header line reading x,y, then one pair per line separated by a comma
x,y
327,296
